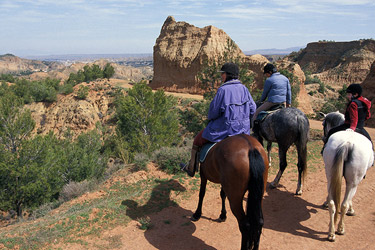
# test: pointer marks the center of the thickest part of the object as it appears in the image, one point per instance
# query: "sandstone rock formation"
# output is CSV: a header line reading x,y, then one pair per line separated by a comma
x,y
70,113
368,86
181,49
337,63
303,98
256,64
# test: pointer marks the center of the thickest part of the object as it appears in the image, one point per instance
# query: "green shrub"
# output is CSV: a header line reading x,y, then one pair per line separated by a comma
x,y
66,89
311,80
169,159
322,88
194,118
147,120
336,104
7,78
140,161
90,73
116,146
82,92
74,189
81,159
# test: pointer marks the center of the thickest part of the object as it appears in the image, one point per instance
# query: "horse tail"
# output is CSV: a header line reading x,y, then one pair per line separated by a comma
x,y
254,212
303,127
337,174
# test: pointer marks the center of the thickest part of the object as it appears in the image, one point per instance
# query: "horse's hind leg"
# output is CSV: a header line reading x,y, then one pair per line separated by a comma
x,y
351,209
202,191
223,215
302,155
237,210
269,147
346,206
341,225
282,166
332,211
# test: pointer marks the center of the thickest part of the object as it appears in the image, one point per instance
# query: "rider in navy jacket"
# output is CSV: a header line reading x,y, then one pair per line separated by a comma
x,y
276,90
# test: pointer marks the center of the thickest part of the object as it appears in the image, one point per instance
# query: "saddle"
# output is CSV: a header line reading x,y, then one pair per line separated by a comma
x,y
204,150
263,114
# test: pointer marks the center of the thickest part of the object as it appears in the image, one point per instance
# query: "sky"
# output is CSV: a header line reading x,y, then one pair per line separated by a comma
x,y
58,27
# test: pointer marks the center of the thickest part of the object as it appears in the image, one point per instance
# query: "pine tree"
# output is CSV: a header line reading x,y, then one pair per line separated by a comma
x,y
108,71
26,164
147,120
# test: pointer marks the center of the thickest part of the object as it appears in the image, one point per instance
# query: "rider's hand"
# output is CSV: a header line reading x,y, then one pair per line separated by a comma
x,y
349,129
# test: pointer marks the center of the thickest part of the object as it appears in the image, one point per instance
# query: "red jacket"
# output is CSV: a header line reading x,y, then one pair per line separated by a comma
x,y
357,111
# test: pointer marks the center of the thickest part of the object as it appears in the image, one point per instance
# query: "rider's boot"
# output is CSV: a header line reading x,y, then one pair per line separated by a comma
x,y
189,168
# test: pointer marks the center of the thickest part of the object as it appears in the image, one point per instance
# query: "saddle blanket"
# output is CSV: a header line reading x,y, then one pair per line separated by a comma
x,y
262,115
204,150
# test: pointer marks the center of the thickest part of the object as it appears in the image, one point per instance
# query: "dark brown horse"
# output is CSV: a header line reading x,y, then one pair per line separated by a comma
x,y
239,163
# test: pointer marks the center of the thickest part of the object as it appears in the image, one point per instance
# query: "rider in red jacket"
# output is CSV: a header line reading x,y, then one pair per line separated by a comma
x,y
357,112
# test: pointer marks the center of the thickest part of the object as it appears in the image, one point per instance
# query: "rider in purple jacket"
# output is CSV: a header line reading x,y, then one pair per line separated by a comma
x,y
229,114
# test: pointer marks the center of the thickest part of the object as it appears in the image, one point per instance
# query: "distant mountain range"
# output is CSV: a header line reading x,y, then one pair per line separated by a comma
x,y
147,56
90,57
286,51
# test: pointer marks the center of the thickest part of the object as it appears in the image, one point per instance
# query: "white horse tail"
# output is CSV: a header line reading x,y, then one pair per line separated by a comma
x,y
341,155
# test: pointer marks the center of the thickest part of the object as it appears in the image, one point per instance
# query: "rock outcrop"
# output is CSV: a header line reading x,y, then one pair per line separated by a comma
x,y
303,98
180,51
368,86
10,64
337,63
38,70
256,64
70,113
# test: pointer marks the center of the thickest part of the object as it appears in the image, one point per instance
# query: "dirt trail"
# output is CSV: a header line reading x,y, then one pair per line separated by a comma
x,y
291,222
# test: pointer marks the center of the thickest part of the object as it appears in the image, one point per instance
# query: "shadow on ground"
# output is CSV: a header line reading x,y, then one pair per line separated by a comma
x,y
169,228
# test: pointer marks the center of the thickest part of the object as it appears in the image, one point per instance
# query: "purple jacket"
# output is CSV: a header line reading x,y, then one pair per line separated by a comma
x,y
229,112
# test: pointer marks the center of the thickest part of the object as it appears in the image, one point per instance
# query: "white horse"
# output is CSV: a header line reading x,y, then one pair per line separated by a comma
x,y
349,155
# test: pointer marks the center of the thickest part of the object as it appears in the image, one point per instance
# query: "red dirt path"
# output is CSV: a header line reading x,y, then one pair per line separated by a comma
x,y
291,222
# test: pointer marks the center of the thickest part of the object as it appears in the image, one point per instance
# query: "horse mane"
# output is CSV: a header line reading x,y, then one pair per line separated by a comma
x,y
334,119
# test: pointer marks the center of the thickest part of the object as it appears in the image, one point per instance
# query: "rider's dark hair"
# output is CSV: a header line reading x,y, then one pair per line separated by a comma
x,y
232,71
269,68
354,88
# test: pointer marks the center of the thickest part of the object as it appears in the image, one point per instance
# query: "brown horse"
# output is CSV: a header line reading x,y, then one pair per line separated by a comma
x,y
239,163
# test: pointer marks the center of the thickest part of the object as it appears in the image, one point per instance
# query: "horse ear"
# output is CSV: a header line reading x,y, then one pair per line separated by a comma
x,y
322,114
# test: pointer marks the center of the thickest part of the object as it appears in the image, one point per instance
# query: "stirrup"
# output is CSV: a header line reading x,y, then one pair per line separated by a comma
x,y
184,168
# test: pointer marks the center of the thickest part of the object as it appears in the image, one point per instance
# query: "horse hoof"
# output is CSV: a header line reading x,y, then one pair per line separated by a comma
x,y
325,205
331,237
298,192
195,217
340,231
222,218
350,213
272,185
